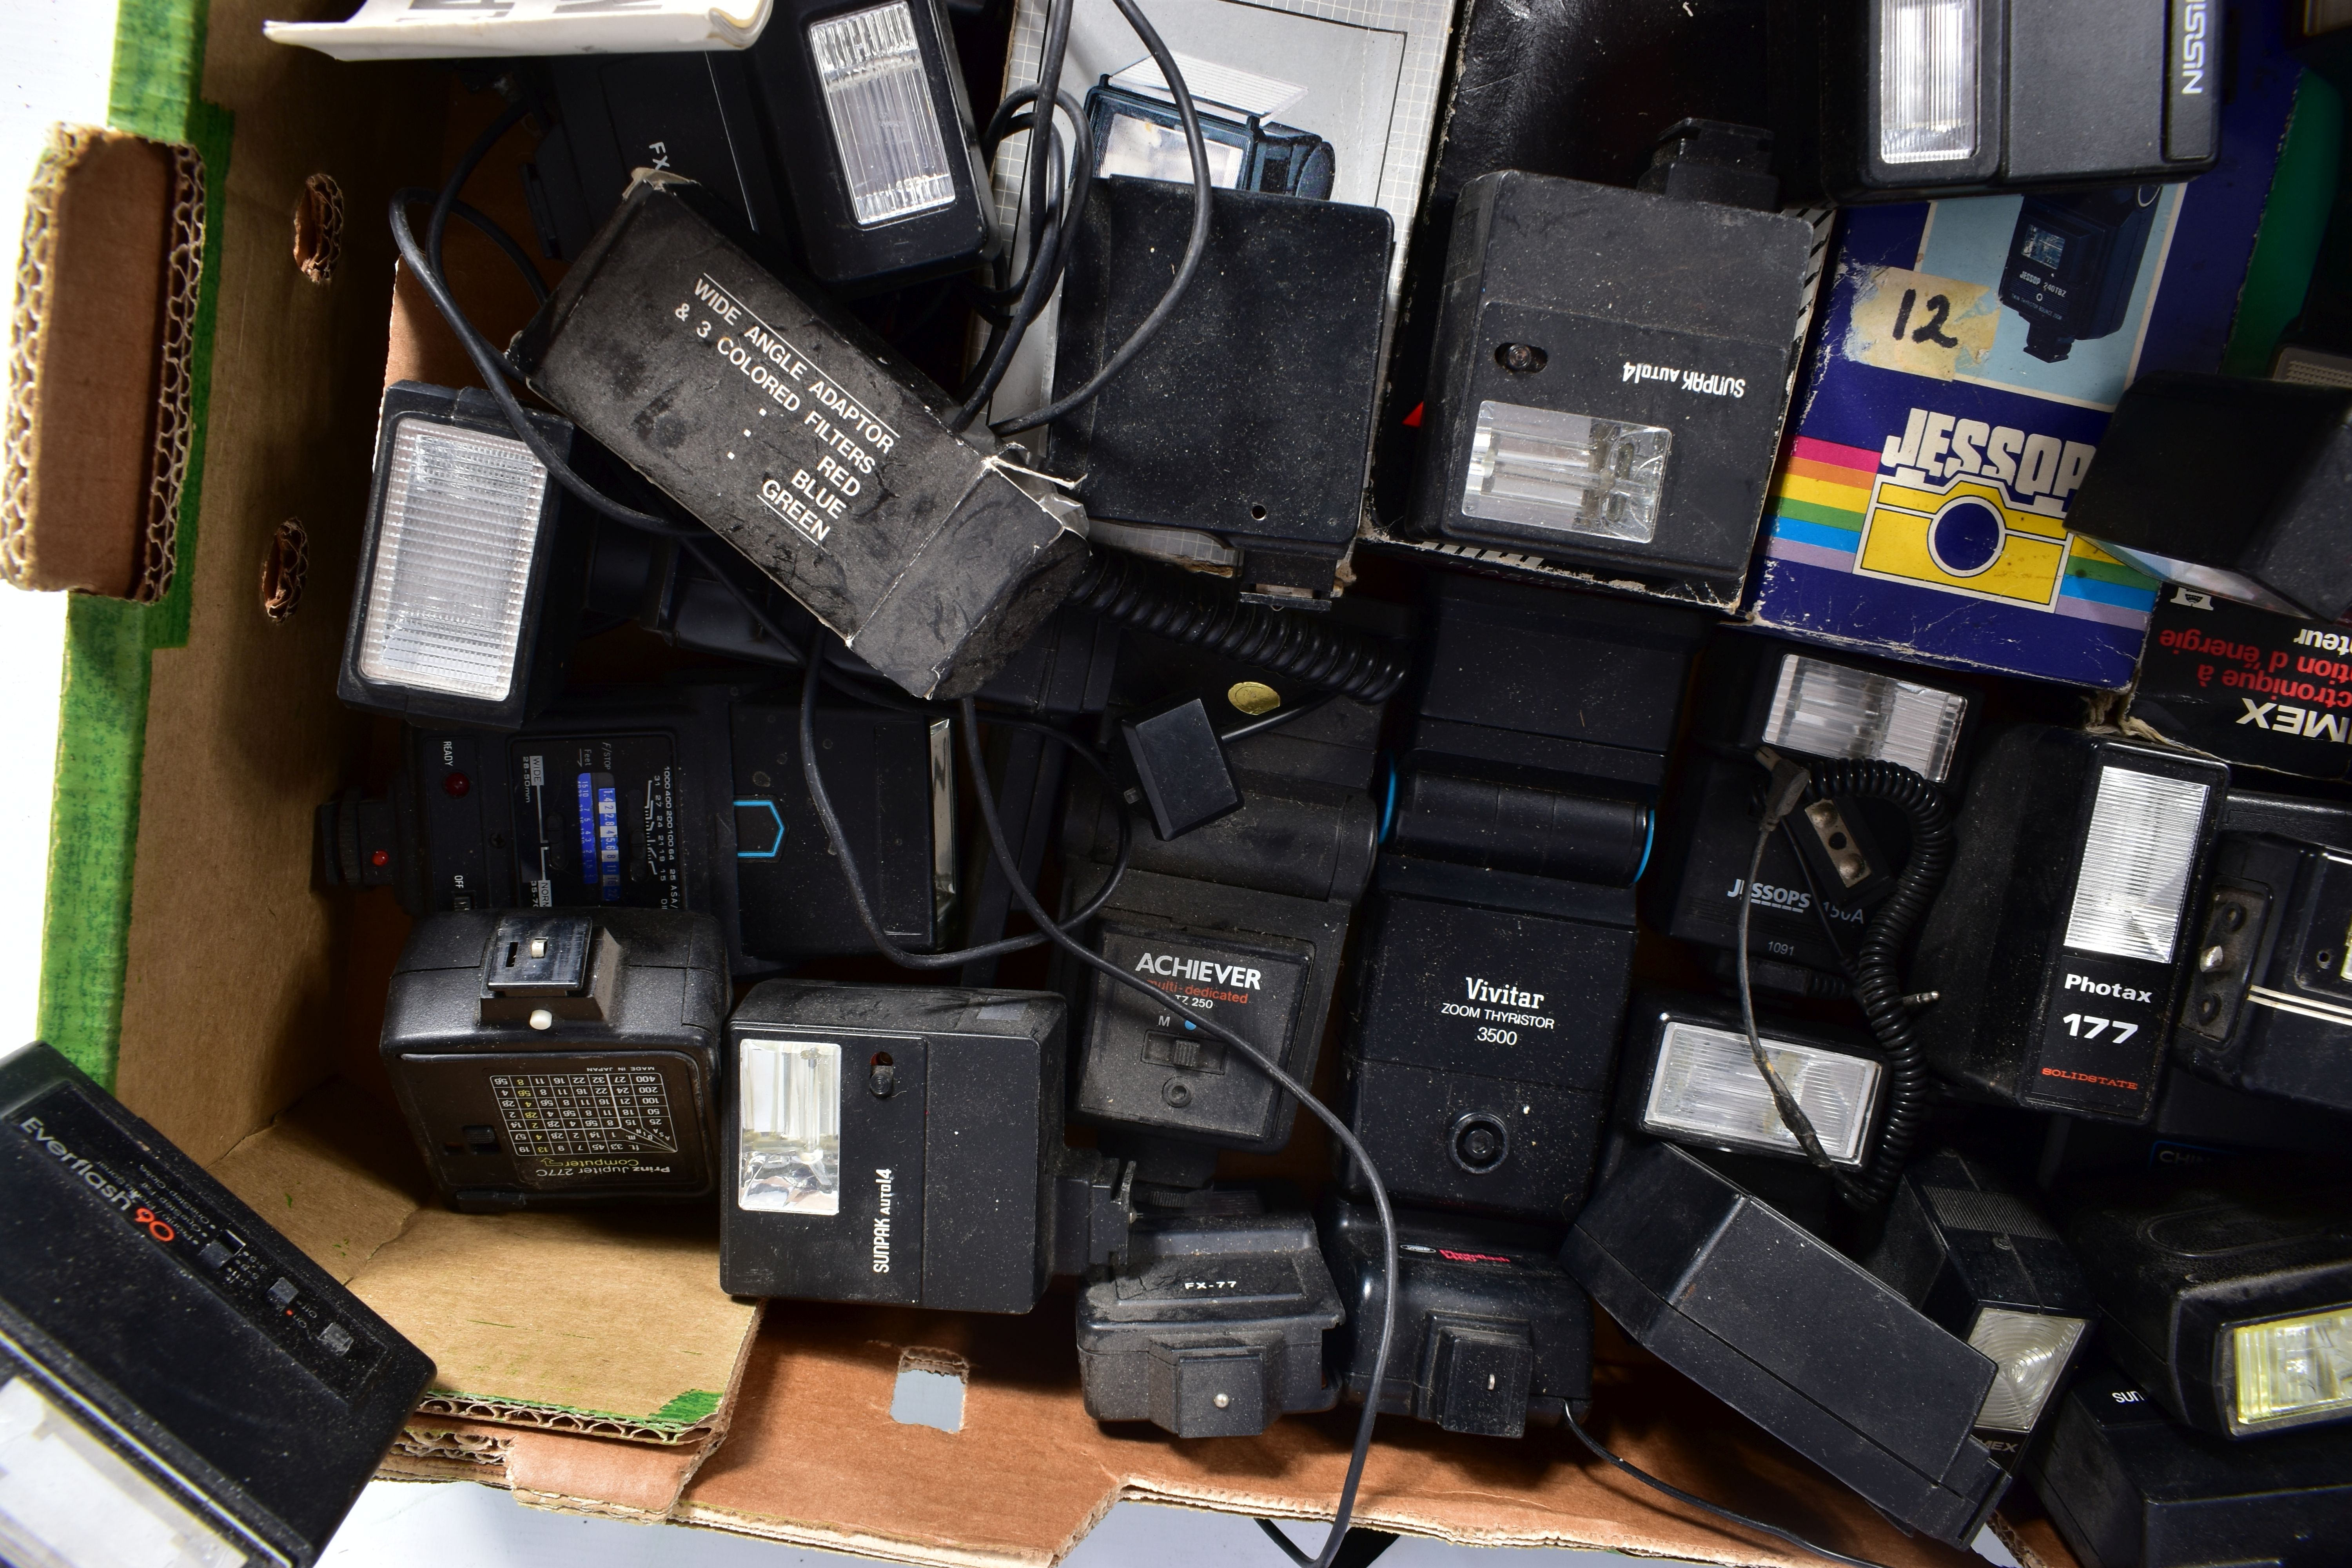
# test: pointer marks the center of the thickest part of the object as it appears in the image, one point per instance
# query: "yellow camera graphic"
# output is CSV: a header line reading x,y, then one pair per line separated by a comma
x,y
1964,536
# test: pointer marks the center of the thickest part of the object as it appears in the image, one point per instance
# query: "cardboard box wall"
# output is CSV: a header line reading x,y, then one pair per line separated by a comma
x,y
588,1362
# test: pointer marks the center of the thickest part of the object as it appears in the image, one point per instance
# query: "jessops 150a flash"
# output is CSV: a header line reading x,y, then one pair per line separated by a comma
x,y
1797,1338
2073,263
813,452
2052,949
1214,1328
2234,486
892,1143
1282,320
1493,1334
1137,131
2127,1488
682,798
1689,1077
1594,399
1904,99
1836,858
179,1384
2270,999
1967,1247
1491,987
560,1057
468,597
2227,1289
856,111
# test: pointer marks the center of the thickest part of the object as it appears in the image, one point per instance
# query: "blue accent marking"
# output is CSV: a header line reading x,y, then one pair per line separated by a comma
x,y
1844,540
2101,592
1388,807
1649,842
587,827
1190,1024
608,841
775,845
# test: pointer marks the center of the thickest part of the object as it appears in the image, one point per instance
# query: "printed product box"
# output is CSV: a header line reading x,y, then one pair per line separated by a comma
x,y
1964,369
2248,685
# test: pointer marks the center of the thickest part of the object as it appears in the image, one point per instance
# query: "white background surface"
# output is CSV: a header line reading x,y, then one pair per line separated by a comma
x,y
55,56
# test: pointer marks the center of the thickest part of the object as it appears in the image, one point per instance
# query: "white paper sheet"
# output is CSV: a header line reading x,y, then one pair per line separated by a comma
x,y
445,29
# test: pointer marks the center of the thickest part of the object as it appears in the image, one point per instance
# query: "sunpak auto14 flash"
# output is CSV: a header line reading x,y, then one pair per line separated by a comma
x,y
1595,398
799,441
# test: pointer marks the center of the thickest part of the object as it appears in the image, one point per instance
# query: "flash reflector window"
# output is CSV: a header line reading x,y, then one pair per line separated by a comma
x,y
453,559
884,122
1151,151
2031,1349
2293,1371
1928,79
1707,1086
2136,865
790,1109
1566,473
1834,711
67,1498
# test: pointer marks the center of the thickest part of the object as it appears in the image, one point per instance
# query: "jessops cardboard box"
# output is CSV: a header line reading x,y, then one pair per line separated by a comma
x,y
588,1360
1962,371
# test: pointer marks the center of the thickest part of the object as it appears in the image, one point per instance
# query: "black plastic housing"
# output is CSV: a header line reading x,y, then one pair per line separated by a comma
x,y
752,125
2128,1488
2178,1259
155,1329
709,808
1280,331
2066,97
585,1075
718,374
2013,1020
2270,996
1569,299
1275,158
1797,1338
1961,1240
949,1131
549,611
2240,486
1491,1333
1754,692
1213,1327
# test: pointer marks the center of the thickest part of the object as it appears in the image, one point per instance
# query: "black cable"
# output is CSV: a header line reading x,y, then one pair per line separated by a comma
x,y
1282,1080
823,801
1675,1492
489,229
1195,245
1275,720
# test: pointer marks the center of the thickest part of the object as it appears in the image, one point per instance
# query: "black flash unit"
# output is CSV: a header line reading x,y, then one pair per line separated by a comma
x,y
2073,260
179,1384
1595,400
468,593
1970,1248
782,426
857,115
2054,950
891,1144
560,1057
2232,486
2127,1487
1138,132
1689,1077
1882,100
1490,990
1493,1334
2227,1289
1796,1336
1214,1327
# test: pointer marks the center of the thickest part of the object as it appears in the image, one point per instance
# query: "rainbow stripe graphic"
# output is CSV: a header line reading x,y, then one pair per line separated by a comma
x,y
1832,511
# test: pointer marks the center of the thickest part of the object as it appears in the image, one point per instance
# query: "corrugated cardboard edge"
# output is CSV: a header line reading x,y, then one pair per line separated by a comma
x,y
37,278
545,1470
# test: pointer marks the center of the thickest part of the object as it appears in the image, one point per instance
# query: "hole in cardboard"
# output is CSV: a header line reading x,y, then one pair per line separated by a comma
x,y
284,569
930,1391
318,229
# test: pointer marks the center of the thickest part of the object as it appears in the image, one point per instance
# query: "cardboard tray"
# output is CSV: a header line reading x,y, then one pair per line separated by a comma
x,y
588,1362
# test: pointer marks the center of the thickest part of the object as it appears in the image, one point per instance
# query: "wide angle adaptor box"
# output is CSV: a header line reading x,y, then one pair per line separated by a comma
x,y
178,1383
1796,1336
784,428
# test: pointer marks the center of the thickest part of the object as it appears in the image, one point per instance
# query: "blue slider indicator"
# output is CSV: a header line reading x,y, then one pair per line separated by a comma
x,y
600,834
756,805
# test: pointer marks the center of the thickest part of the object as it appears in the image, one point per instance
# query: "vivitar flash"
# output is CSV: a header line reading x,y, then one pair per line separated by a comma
x,y
1595,399
798,440
552,1058
179,1384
